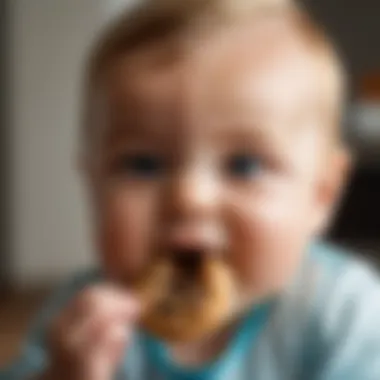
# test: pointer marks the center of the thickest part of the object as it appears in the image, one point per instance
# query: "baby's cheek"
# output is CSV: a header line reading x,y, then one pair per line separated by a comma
x,y
126,233
268,239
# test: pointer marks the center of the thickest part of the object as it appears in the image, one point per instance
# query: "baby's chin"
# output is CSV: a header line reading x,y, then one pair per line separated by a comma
x,y
189,302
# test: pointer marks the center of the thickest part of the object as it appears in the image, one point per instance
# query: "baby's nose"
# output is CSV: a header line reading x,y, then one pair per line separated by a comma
x,y
195,193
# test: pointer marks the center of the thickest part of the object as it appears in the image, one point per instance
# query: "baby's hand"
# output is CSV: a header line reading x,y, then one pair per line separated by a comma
x,y
88,340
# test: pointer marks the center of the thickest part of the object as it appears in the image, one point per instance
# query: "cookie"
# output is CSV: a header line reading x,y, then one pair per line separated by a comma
x,y
182,306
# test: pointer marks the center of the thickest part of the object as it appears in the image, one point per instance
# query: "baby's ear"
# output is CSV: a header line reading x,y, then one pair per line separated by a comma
x,y
340,167
333,182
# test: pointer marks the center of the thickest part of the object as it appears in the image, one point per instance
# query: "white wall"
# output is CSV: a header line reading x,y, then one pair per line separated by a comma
x,y
48,43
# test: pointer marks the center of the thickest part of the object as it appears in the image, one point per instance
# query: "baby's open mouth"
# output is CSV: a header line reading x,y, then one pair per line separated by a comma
x,y
188,262
187,293
186,282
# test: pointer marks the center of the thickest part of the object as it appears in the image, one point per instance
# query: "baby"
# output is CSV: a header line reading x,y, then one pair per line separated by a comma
x,y
214,163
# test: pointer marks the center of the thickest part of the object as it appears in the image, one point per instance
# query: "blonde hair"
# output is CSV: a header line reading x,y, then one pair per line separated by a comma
x,y
151,21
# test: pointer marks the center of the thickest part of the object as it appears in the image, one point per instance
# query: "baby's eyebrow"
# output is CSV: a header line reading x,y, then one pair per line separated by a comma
x,y
260,136
133,129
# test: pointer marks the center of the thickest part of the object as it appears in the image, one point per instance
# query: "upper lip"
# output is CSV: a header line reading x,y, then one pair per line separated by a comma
x,y
199,240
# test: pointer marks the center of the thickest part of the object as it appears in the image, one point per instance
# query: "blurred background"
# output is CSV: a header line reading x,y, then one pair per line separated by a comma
x,y
43,229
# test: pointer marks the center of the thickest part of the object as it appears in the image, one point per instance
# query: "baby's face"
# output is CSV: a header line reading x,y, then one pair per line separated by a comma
x,y
215,150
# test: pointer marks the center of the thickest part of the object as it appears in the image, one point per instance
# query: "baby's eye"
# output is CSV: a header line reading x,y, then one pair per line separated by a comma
x,y
243,165
140,165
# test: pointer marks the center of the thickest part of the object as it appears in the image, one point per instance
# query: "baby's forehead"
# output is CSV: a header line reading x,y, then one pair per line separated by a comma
x,y
249,72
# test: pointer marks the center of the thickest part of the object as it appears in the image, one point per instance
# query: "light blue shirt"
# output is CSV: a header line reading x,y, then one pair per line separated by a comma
x,y
325,326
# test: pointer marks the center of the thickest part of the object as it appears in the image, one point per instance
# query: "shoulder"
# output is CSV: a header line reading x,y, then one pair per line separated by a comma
x,y
346,282
346,313
331,284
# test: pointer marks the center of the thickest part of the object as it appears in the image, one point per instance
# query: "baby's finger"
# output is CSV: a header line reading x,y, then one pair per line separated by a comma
x,y
91,329
104,300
